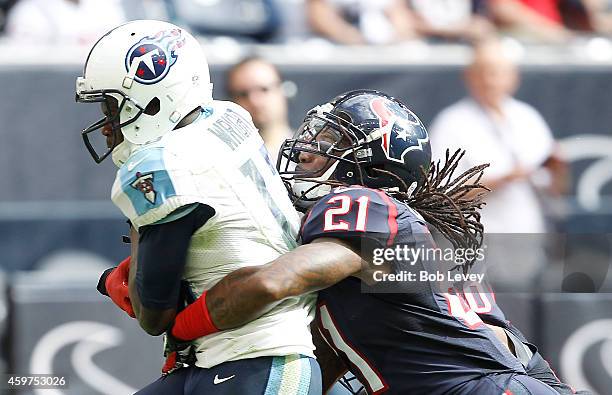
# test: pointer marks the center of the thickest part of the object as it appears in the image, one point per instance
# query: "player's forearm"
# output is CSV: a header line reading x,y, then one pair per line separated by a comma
x,y
239,298
133,293
234,301
242,296
132,286
311,267
250,292
154,322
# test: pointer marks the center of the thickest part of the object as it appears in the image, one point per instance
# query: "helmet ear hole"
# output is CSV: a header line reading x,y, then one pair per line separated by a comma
x,y
153,107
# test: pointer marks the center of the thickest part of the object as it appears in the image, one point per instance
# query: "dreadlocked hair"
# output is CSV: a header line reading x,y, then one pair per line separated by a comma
x,y
441,200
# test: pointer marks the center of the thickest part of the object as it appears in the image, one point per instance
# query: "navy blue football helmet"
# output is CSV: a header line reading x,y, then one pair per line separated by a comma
x,y
366,137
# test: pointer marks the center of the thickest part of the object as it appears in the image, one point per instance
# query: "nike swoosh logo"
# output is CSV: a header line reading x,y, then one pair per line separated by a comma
x,y
132,165
217,380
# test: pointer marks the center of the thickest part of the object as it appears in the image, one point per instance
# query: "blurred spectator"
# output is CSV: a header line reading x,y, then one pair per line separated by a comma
x,y
538,20
255,84
493,127
454,20
357,22
62,21
510,135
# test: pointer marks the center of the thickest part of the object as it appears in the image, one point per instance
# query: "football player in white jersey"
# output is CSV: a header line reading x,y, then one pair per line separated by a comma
x,y
196,184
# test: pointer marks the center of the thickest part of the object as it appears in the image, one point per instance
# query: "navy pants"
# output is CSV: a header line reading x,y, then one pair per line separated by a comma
x,y
288,375
506,384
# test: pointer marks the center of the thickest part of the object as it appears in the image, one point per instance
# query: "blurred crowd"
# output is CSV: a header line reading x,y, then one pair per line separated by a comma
x,y
497,120
520,179
491,79
348,22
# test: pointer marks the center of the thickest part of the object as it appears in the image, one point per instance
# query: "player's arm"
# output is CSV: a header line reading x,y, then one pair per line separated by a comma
x,y
306,269
247,293
158,262
332,234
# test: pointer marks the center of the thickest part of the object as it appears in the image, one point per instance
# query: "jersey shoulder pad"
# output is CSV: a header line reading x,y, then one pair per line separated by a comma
x,y
222,105
231,112
352,212
143,183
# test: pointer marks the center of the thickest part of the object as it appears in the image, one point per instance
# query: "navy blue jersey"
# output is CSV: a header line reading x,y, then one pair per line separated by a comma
x,y
426,342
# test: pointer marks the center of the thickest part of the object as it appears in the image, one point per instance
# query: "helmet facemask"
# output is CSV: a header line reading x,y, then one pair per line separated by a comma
x,y
377,143
114,108
334,142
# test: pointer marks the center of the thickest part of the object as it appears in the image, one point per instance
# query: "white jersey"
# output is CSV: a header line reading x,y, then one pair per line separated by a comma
x,y
220,160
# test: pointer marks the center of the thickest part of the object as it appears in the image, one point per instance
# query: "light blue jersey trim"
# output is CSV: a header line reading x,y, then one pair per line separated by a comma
x,y
177,214
305,378
146,166
206,112
290,375
276,376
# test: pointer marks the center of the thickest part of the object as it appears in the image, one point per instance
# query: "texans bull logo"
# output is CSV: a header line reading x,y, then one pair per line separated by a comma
x,y
401,129
150,59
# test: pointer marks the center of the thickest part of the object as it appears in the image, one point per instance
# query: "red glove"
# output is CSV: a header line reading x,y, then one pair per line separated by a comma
x,y
114,283
194,321
169,364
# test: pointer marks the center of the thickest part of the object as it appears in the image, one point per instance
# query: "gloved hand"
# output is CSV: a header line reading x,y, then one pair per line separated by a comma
x,y
178,354
114,283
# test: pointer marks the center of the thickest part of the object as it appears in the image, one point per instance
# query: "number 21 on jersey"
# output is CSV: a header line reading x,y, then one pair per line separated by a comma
x,y
344,204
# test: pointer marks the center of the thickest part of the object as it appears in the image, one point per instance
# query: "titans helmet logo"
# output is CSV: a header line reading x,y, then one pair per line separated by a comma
x,y
150,59
401,129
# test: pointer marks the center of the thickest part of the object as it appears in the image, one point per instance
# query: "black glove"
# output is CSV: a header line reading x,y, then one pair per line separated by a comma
x,y
102,281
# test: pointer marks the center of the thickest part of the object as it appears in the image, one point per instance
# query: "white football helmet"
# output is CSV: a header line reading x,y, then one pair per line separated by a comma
x,y
154,72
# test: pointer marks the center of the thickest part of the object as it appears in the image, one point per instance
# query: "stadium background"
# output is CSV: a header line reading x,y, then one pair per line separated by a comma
x,y
58,228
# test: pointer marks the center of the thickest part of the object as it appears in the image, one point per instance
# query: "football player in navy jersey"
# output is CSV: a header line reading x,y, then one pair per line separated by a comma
x,y
360,166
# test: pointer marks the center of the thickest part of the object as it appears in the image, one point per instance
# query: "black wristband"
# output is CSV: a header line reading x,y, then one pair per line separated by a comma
x,y
102,282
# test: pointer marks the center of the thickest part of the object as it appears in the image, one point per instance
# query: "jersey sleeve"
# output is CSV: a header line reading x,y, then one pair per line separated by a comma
x,y
353,214
146,190
162,255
